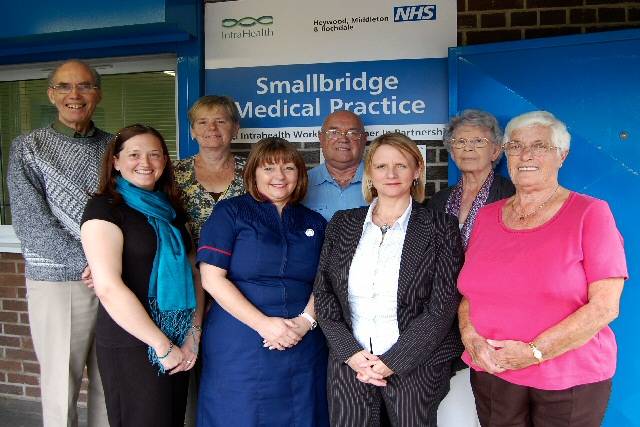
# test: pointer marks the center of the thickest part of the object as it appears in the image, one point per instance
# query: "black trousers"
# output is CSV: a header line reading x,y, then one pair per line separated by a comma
x,y
501,403
410,400
135,394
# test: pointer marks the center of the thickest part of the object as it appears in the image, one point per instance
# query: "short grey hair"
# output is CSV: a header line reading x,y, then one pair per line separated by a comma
x,y
97,79
334,113
560,136
477,118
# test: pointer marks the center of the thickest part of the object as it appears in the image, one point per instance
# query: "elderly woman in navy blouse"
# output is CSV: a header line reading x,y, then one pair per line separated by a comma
x,y
263,361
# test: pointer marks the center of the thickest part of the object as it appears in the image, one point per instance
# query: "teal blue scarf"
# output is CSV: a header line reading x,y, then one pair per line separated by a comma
x,y
172,298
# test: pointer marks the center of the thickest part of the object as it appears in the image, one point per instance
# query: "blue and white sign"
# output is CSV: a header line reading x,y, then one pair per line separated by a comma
x,y
289,64
419,12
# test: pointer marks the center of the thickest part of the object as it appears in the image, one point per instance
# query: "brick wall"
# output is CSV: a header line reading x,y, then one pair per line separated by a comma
x,y
18,366
488,21
19,370
479,21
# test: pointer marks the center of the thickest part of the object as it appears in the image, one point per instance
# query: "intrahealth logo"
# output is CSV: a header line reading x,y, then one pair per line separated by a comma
x,y
247,28
247,21
419,12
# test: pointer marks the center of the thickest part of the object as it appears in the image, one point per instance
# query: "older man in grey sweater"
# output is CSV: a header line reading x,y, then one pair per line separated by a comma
x,y
51,173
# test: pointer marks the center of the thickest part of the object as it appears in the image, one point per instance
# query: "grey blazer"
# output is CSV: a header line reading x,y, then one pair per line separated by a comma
x,y
428,299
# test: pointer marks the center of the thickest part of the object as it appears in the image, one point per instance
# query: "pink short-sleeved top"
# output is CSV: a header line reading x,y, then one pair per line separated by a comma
x,y
520,283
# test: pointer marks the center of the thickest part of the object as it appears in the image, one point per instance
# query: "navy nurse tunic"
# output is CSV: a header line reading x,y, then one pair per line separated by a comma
x,y
272,260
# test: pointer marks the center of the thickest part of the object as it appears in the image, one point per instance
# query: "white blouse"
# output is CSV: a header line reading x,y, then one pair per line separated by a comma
x,y
373,283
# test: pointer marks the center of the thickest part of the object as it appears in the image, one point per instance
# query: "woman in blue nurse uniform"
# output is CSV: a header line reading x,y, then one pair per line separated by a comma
x,y
264,362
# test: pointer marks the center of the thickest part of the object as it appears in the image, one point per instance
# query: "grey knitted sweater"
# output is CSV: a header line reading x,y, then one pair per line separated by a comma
x,y
50,178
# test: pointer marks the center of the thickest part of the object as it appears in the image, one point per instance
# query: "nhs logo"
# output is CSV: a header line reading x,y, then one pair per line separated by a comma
x,y
419,12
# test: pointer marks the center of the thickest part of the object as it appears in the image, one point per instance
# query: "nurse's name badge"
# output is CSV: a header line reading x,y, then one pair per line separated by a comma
x,y
309,232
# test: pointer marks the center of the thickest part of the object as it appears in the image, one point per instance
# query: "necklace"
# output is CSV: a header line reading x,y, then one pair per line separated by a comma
x,y
226,164
342,182
386,223
523,216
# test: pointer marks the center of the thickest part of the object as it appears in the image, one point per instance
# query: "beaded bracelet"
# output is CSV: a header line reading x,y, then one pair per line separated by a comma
x,y
167,353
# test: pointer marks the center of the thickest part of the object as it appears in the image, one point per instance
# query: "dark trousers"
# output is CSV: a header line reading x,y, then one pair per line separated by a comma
x,y
501,403
410,400
135,394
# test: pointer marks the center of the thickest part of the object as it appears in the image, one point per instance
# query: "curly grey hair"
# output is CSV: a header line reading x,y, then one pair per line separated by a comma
x,y
477,118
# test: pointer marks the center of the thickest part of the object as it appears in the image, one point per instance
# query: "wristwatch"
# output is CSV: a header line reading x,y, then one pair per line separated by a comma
x,y
309,319
536,352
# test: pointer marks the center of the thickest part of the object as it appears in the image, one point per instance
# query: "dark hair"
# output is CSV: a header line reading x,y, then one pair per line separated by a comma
x,y
108,174
275,150
209,102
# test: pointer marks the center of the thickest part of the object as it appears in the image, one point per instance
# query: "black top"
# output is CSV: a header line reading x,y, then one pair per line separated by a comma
x,y
138,253
501,188
428,299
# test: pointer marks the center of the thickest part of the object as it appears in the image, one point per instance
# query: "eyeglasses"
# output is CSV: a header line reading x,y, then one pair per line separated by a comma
x,y
66,88
460,143
516,148
349,134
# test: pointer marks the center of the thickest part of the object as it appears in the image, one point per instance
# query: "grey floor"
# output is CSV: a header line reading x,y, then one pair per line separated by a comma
x,y
25,413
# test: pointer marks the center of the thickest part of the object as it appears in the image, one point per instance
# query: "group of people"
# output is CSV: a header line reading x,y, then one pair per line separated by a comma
x,y
335,297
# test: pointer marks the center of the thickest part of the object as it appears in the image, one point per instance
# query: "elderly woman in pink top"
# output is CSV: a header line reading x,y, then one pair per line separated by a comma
x,y
542,280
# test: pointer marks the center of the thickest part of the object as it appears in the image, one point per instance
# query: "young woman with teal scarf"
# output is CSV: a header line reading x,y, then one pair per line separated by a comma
x,y
150,313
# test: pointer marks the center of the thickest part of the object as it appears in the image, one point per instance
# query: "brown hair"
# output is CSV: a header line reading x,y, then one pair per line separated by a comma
x,y
275,150
209,102
108,174
406,146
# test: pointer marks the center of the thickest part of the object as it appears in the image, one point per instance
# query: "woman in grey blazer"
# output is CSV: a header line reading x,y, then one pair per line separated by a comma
x,y
386,298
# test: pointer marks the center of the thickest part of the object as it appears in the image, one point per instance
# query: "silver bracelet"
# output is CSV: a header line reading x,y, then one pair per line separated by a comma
x,y
167,353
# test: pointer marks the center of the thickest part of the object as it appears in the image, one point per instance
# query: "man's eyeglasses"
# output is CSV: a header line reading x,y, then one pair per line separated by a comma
x,y
65,88
516,148
460,143
349,134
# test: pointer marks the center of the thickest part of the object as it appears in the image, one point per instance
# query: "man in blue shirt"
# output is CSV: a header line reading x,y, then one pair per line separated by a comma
x,y
336,184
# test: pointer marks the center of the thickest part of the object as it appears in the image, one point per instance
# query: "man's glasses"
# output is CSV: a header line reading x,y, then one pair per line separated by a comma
x,y
351,134
66,88
460,143
516,148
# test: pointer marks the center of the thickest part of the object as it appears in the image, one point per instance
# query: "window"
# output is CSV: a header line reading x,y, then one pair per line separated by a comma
x,y
135,90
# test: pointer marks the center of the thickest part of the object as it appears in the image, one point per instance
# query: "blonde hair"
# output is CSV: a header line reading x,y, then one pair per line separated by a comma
x,y
209,102
406,146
